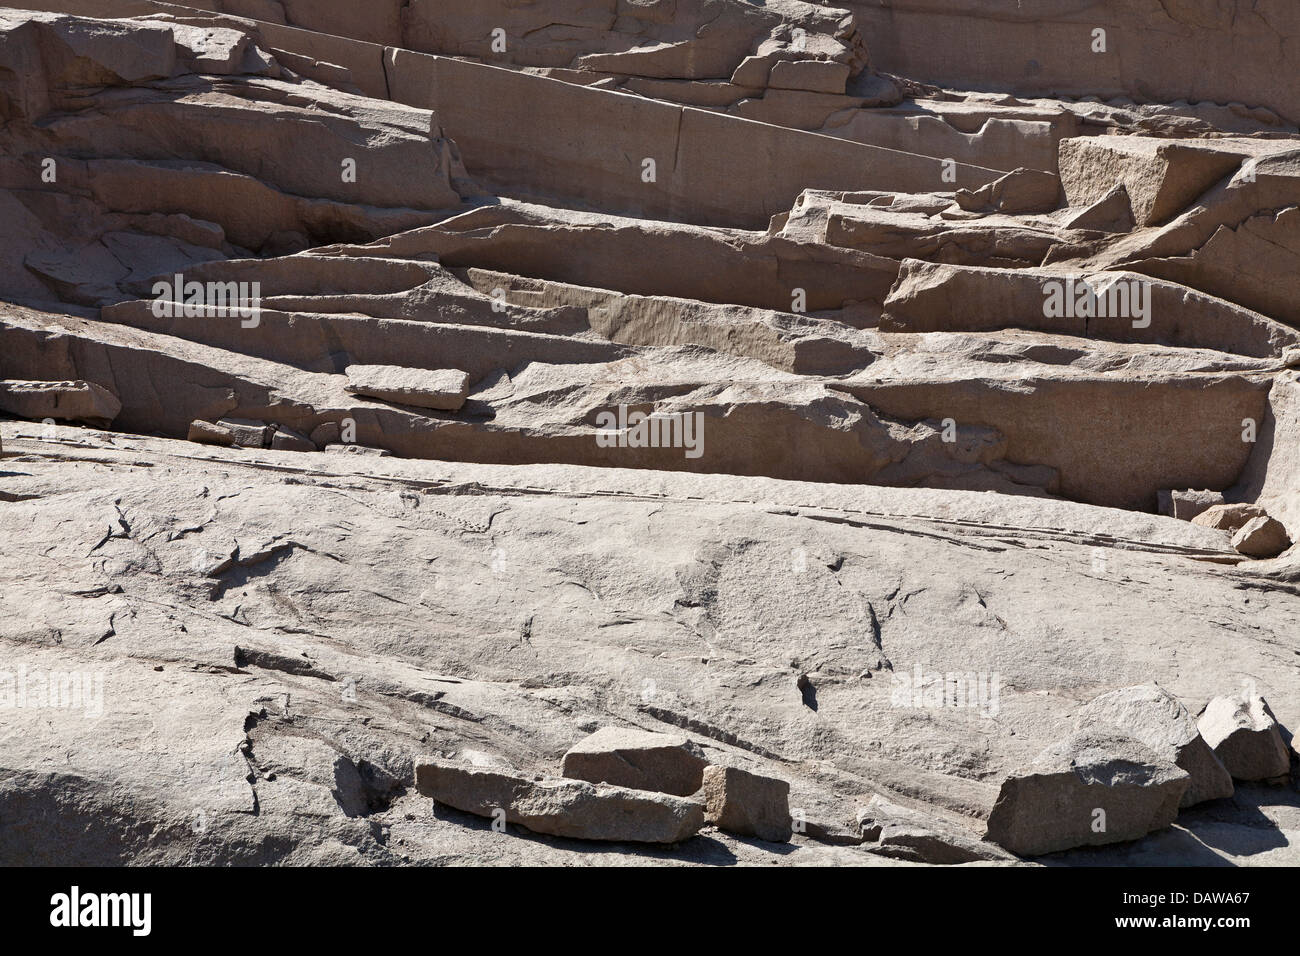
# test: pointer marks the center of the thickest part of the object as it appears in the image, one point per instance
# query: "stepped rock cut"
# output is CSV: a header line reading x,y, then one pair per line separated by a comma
x,y
566,808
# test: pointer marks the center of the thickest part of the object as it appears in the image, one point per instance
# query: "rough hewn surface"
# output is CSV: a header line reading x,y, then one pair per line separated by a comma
x,y
688,397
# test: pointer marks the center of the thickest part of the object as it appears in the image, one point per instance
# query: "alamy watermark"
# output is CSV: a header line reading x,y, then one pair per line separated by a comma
x,y
176,298
1070,298
635,429
931,690
67,690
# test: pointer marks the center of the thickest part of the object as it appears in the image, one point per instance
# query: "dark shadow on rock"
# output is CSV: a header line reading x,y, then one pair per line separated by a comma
x,y
703,848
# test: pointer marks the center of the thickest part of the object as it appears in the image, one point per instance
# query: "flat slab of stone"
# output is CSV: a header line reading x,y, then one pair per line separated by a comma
x,y
62,401
1094,787
1246,737
443,389
901,833
818,76
638,759
210,433
1150,714
565,808
747,804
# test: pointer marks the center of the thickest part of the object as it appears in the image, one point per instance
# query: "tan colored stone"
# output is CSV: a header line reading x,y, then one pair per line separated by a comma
x,y
747,803
637,759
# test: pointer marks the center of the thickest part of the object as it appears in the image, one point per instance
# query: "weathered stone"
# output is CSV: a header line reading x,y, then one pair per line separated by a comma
x,y
443,389
327,433
62,401
1160,177
1111,213
637,759
819,76
1151,715
1246,737
1186,505
902,833
358,450
286,439
747,803
210,433
1094,787
1261,537
1228,517
1019,191
248,433
567,808
597,220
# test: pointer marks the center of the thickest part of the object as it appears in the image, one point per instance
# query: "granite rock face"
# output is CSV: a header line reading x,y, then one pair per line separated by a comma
x,y
826,428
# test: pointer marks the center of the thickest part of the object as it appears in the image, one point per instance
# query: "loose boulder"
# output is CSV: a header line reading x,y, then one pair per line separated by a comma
x,y
1261,537
637,759
247,433
1246,737
747,804
564,808
64,401
1228,518
1151,715
1186,505
210,433
1094,787
1019,191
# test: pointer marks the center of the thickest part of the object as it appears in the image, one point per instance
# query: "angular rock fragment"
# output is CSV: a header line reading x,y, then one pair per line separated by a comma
x,y
1186,505
1019,191
818,76
1261,538
902,833
247,433
444,389
64,401
1246,737
747,803
286,439
210,433
1094,787
1111,213
1161,177
1228,517
637,759
565,808
1151,715
327,433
